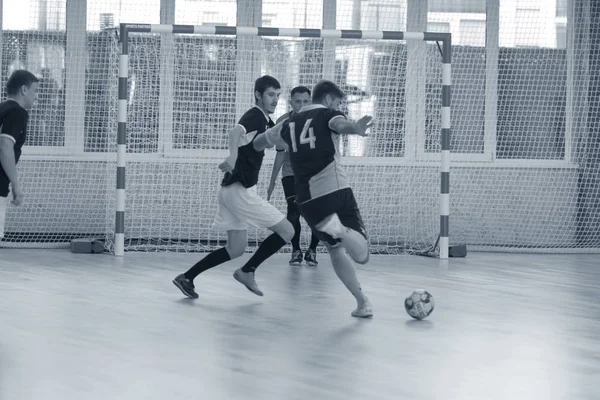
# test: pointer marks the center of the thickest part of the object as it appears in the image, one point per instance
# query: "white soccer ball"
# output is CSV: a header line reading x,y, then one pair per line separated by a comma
x,y
419,304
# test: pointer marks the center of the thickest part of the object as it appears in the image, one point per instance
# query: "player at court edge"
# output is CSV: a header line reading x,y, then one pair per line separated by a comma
x,y
22,91
240,205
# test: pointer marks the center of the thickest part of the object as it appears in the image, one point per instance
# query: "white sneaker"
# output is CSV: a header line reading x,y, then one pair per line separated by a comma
x,y
247,279
363,311
332,226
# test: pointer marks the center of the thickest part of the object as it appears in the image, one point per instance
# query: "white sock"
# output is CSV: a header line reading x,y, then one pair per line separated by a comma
x,y
345,270
3,204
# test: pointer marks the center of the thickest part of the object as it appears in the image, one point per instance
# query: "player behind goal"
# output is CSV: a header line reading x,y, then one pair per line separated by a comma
x,y
239,203
22,91
299,97
323,190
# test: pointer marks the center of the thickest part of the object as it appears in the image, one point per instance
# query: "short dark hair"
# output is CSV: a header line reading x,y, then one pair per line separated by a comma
x,y
18,79
265,82
300,89
324,88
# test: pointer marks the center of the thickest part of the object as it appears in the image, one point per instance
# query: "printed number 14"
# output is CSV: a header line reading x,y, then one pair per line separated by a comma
x,y
306,136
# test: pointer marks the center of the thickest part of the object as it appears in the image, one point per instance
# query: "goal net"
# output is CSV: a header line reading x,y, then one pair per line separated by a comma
x,y
186,90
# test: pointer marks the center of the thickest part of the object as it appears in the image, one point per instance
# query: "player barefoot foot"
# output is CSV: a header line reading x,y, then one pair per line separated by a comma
x,y
296,258
364,310
311,257
186,286
247,279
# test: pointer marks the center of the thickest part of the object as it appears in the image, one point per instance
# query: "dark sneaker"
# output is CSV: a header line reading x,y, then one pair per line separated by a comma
x,y
186,286
311,257
296,258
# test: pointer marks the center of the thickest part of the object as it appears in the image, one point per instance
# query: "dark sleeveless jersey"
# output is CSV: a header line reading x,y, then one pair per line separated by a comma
x,y
13,124
314,153
248,163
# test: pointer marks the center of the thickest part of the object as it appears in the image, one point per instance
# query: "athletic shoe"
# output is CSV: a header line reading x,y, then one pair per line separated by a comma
x,y
311,257
186,286
296,258
247,279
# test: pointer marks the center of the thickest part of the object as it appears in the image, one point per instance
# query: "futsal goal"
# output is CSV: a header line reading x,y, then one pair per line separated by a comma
x,y
181,87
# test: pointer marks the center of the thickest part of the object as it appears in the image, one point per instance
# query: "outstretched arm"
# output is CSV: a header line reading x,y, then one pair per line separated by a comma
x,y
342,126
269,138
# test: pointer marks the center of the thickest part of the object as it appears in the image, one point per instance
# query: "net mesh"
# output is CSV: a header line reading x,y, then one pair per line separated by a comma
x,y
526,164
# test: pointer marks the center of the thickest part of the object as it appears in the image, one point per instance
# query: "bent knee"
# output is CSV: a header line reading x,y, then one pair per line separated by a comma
x,y
285,229
236,250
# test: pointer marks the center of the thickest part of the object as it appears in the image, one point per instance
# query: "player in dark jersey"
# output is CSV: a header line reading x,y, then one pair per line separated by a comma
x,y
323,190
22,90
239,203
299,97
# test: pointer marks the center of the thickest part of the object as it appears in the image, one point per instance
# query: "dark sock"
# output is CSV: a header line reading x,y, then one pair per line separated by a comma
x,y
296,239
211,260
314,242
266,249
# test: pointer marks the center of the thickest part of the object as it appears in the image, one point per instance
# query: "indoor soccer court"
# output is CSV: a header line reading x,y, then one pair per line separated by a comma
x,y
505,326
478,182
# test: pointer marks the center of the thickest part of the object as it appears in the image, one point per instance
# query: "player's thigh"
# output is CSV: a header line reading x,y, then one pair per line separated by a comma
x,y
348,211
317,210
252,209
226,219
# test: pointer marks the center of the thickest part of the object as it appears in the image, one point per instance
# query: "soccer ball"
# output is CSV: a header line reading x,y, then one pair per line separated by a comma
x,y
419,304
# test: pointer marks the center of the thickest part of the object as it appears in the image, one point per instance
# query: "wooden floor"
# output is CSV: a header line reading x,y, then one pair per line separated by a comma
x,y
506,326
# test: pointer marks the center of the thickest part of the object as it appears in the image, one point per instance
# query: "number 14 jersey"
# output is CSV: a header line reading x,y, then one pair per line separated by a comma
x,y
313,148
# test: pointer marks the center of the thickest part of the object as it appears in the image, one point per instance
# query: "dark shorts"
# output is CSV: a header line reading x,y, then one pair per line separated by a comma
x,y
340,202
288,183
4,182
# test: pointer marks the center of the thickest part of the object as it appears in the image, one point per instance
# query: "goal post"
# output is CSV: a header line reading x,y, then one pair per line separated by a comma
x,y
126,29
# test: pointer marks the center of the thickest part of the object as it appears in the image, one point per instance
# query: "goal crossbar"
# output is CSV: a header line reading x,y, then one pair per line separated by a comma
x,y
125,28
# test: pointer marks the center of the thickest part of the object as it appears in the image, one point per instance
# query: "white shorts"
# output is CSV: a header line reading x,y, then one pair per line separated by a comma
x,y
240,207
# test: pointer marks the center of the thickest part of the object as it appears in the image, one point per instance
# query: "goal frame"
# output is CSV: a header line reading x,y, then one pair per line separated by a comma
x,y
446,49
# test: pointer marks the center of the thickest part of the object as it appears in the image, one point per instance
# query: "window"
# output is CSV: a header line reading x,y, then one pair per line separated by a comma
x,y
32,14
438,27
43,53
457,6
561,8
531,104
205,12
527,28
380,16
293,13
267,19
371,15
561,36
472,33
531,23
102,12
